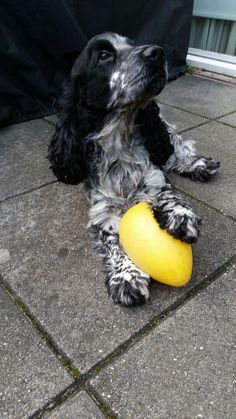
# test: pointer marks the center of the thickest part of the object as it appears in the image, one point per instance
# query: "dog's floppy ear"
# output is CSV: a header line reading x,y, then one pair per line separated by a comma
x,y
155,134
66,151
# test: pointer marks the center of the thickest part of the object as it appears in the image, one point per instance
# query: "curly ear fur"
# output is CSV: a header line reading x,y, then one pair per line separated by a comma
x,y
66,150
155,134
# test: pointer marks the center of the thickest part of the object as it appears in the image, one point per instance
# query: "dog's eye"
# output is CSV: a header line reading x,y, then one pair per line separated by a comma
x,y
105,56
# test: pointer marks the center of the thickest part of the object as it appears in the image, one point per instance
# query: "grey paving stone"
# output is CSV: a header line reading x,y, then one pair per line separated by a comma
x,y
51,118
211,99
181,119
52,267
218,141
23,151
185,368
77,407
229,119
29,373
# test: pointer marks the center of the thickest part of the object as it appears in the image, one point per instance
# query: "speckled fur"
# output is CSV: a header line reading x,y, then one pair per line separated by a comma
x,y
110,134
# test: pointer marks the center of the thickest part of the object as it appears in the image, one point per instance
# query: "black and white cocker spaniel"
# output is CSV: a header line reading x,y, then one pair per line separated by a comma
x,y
111,136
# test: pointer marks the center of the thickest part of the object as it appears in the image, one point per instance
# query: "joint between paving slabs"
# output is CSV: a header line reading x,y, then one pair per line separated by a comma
x,y
213,119
205,204
46,338
227,124
82,381
72,390
57,400
185,110
103,406
201,124
158,319
36,188
154,322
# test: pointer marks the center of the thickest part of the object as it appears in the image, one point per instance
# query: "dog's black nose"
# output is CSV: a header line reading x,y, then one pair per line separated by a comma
x,y
153,52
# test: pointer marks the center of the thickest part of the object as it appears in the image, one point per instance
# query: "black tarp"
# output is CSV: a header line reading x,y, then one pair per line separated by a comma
x,y
40,40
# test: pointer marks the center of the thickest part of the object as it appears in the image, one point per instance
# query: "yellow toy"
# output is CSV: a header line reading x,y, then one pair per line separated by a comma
x,y
154,250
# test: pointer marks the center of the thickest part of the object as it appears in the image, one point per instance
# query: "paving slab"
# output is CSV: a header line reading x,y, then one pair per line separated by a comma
x,y
30,374
209,98
52,267
218,141
79,406
185,368
181,119
23,151
229,119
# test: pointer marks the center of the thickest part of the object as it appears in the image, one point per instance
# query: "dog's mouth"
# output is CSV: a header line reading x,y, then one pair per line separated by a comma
x,y
141,86
153,78
156,81
152,87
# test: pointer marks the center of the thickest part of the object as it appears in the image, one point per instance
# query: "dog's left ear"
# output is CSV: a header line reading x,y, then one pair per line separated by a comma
x,y
155,134
66,152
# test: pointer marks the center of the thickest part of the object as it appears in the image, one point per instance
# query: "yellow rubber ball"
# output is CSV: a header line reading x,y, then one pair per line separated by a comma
x,y
153,249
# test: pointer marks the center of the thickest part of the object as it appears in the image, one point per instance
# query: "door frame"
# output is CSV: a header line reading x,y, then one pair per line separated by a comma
x,y
212,61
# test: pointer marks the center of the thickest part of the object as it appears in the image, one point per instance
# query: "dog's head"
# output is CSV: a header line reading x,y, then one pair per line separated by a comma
x,y
111,72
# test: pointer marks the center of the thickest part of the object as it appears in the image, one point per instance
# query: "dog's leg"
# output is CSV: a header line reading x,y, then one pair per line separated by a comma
x,y
126,284
185,160
170,209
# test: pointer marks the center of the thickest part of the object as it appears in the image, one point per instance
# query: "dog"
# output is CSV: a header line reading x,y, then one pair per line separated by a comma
x,y
111,136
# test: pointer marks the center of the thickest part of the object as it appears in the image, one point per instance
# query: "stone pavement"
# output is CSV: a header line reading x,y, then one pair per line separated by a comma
x,y
66,351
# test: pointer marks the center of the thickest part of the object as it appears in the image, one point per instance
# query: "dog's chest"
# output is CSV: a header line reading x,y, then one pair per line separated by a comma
x,y
123,167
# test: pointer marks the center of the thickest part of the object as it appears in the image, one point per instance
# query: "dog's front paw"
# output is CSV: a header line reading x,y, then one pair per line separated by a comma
x,y
181,223
129,287
203,169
